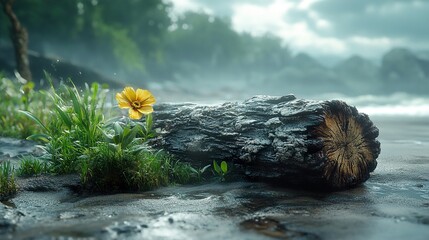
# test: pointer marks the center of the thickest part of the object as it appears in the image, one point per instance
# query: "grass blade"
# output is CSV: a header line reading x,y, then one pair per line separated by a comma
x,y
39,137
66,119
35,119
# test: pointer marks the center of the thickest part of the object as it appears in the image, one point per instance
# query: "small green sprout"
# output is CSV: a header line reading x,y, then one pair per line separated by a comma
x,y
123,136
221,170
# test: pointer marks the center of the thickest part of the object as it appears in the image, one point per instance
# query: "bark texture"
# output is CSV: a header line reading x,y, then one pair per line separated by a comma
x,y
283,140
19,37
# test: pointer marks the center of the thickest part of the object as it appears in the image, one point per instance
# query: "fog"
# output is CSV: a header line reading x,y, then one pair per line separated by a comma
x,y
372,54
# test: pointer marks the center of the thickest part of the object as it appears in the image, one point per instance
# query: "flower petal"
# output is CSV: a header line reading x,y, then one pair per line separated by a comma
x,y
129,93
134,114
145,109
150,100
145,96
124,105
122,102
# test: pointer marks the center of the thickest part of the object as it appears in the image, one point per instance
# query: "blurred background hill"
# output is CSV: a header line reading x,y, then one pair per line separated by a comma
x,y
195,52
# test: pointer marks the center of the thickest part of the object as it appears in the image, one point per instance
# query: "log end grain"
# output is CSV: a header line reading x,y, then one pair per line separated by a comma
x,y
350,147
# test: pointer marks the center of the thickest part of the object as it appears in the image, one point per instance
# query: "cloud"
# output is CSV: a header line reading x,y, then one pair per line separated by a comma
x,y
381,18
181,6
225,8
288,20
334,27
259,20
370,27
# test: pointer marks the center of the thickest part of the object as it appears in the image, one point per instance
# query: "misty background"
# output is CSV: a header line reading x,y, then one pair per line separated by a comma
x,y
374,54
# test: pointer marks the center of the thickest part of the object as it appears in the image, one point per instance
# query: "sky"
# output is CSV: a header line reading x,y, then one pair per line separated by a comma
x,y
327,28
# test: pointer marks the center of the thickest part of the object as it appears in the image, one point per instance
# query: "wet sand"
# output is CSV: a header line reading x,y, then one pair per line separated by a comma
x,y
392,204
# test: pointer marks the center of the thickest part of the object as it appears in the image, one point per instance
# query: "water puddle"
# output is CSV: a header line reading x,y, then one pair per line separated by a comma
x,y
10,147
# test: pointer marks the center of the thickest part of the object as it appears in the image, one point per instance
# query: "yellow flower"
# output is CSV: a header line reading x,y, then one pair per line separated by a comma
x,y
139,102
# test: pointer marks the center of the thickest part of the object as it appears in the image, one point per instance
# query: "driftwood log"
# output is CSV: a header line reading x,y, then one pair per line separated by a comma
x,y
284,140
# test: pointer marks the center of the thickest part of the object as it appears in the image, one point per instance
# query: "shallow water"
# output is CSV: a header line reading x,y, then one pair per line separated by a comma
x,y
392,204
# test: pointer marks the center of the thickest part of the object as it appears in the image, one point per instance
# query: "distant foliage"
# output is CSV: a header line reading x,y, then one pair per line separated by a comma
x,y
20,95
200,44
118,34
143,39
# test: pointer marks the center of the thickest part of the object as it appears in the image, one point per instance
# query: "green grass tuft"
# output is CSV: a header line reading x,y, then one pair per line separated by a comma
x,y
105,169
74,127
8,187
33,166
110,156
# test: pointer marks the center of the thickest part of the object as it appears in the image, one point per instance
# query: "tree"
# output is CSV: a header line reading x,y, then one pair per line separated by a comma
x,y
19,36
204,40
264,53
112,36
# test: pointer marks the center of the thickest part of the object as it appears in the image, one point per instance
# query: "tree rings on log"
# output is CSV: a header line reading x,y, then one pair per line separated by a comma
x,y
349,145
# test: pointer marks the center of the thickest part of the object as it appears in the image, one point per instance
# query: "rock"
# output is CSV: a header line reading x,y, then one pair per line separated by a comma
x,y
360,75
304,62
304,71
9,219
46,183
405,72
273,228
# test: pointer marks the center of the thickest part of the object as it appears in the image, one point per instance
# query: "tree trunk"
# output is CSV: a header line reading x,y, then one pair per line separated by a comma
x,y
19,36
283,140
